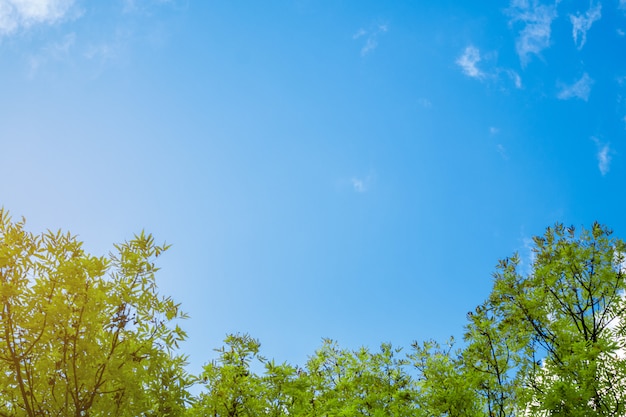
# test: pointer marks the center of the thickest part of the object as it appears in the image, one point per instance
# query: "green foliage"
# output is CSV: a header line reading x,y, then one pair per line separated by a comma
x,y
492,358
83,335
551,342
285,389
334,382
445,384
359,383
232,389
547,343
90,336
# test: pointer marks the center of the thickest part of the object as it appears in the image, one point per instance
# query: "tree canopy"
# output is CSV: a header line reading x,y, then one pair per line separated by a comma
x,y
91,336
83,335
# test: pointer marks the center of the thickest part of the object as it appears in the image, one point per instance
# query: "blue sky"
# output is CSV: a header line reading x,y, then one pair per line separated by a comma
x,y
341,169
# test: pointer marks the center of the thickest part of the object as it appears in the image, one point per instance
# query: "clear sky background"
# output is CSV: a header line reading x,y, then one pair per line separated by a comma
x,y
342,169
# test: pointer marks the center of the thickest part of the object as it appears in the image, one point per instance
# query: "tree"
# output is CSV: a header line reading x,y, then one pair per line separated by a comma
x,y
334,382
359,383
83,335
492,358
232,388
286,389
445,382
551,342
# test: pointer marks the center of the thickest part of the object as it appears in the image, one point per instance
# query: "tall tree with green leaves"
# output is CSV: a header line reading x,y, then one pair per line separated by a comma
x,y
83,335
548,341
445,385
232,388
551,342
286,388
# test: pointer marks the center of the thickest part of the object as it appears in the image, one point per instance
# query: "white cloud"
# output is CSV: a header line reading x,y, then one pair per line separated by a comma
x,y
53,51
370,44
471,57
502,151
517,80
581,24
494,131
359,33
537,20
604,159
16,14
148,7
138,5
603,155
468,60
580,89
622,4
104,52
424,102
113,51
527,255
371,41
62,48
361,184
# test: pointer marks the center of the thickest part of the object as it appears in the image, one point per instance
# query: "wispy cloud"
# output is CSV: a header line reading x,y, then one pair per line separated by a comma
x,y
53,51
471,57
359,33
371,37
468,62
604,159
514,76
113,51
494,131
603,155
103,51
16,14
502,151
61,48
580,89
622,4
424,102
362,184
582,23
536,19
359,184
527,255
131,6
